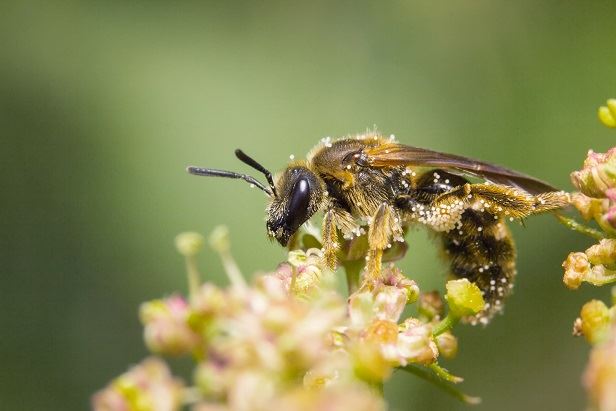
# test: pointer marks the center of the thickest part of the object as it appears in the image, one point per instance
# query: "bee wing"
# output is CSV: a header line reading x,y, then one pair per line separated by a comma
x,y
394,155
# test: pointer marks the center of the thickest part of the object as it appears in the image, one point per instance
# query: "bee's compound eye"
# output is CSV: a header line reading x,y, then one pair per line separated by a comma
x,y
298,204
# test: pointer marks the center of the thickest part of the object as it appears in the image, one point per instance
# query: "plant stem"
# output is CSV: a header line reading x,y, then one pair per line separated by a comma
x,y
352,270
580,228
429,376
232,270
193,278
444,374
444,325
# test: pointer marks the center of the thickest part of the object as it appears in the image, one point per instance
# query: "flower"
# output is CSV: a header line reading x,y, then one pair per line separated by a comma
x,y
415,343
607,113
577,269
356,397
599,378
463,298
591,266
603,253
219,239
303,273
598,174
166,327
430,305
447,344
189,243
148,386
595,321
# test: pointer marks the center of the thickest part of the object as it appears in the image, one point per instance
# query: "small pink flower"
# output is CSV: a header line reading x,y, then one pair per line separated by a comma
x,y
166,326
598,174
415,344
147,386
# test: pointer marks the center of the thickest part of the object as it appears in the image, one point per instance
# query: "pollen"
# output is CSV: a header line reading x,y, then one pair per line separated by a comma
x,y
292,157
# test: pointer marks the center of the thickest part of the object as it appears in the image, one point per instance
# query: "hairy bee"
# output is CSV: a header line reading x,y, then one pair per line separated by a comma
x,y
369,180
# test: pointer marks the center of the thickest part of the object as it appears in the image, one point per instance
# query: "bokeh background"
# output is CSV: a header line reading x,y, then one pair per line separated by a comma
x,y
103,104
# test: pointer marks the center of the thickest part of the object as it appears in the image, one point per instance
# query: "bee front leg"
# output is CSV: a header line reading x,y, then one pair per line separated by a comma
x,y
330,239
383,225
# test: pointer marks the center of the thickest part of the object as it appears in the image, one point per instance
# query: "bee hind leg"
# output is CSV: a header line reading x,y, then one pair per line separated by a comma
x,y
501,200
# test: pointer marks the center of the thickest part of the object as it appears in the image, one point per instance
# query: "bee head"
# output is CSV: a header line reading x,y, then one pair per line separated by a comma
x,y
295,197
299,194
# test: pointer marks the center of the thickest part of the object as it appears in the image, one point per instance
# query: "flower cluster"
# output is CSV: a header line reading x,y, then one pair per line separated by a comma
x,y
596,201
289,340
597,184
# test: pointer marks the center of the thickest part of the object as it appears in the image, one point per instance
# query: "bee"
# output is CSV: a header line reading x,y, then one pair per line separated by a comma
x,y
374,182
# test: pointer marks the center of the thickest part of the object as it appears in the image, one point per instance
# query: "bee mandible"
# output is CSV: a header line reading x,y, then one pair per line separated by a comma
x,y
374,181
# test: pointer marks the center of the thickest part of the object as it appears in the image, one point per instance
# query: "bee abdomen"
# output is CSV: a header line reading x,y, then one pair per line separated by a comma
x,y
480,248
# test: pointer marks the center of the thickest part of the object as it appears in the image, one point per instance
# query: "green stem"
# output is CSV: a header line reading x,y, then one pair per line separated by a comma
x,y
193,278
379,388
444,374
604,225
232,270
444,325
580,228
353,271
429,376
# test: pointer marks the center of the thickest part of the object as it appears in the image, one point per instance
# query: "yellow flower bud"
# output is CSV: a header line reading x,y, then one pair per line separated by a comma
x,y
603,253
369,362
587,206
595,321
447,344
576,268
464,298
219,239
607,114
189,243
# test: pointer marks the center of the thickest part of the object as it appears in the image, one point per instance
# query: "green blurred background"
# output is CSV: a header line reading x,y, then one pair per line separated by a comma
x,y
103,104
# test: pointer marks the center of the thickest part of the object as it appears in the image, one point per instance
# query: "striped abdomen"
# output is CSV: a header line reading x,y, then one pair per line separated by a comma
x,y
480,248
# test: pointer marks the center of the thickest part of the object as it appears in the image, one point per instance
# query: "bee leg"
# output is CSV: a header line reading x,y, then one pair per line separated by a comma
x,y
502,200
380,231
330,239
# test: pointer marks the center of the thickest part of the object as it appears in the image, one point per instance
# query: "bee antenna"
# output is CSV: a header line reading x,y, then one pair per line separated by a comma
x,y
211,172
244,158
